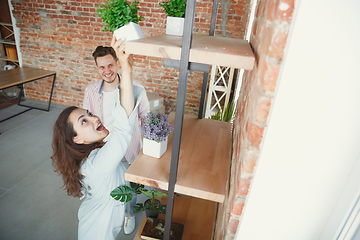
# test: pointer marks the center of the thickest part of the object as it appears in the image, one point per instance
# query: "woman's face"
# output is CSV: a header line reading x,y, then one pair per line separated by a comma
x,y
88,127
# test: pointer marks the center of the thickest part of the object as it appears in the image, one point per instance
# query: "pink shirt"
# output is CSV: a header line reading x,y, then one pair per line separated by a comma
x,y
93,101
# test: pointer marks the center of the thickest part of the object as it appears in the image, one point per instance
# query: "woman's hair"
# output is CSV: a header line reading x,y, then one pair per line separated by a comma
x,y
67,155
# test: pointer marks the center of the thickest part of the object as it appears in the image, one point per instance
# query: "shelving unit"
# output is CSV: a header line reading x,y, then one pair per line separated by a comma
x,y
200,148
203,161
6,40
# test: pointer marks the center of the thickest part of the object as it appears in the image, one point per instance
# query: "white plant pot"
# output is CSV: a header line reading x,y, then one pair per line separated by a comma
x,y
153,148
131,31
175,26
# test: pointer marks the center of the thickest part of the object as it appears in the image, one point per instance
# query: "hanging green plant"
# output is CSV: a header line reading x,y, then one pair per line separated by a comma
x,y
118,13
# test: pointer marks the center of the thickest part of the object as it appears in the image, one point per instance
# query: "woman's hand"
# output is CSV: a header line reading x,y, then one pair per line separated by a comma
x,y
126,86
125,59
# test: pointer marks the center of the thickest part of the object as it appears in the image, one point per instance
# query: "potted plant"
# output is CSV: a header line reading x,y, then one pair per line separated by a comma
x,y
155,128
226,115
121,18
151,206
175,11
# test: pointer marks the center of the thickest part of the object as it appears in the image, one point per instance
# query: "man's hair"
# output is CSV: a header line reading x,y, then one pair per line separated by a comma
x,y
101,51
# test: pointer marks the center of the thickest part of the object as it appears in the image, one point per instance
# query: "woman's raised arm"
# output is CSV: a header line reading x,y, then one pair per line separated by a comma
x,y
126,85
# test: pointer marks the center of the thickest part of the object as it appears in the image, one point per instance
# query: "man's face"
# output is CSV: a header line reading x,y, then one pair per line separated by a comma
x,y
107,67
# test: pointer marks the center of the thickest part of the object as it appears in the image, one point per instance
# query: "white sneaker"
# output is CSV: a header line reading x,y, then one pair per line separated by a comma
x,y
129,225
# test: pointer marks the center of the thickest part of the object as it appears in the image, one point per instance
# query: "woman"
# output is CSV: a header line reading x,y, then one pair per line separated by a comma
x,y
90,168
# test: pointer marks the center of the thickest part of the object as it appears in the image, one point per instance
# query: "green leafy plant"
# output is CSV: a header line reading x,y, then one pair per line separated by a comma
x,y
225,116
117,13
152,205
174,8
123,193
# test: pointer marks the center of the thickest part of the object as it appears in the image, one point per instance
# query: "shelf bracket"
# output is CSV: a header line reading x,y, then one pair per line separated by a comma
x,y
199,67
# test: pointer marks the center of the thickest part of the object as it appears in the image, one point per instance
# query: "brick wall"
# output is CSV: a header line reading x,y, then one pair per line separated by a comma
x,y
268,39
61,36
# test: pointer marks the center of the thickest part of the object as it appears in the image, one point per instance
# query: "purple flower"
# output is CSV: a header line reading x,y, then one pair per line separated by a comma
x,y
155,126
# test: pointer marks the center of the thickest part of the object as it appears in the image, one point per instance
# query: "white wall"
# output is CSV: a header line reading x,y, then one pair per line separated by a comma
x,y
313,138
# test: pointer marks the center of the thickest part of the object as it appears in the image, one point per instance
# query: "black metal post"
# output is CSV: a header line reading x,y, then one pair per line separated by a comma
x,y
51,92
180,105
52,89
20,93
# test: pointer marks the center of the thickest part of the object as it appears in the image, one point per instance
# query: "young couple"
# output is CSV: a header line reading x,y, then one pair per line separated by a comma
x,y
93,145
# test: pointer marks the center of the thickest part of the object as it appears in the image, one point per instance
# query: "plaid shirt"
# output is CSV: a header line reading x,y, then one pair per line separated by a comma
x,y
93,101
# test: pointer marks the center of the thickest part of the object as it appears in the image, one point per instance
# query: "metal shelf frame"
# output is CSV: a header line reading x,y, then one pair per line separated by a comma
x,y
185,66
6,40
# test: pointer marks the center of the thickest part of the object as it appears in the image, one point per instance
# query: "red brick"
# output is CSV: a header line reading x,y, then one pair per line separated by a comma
x,y
286,9
272,8
268,74
255,134
243,187
233,225
237,209
278,43
262,110
249,165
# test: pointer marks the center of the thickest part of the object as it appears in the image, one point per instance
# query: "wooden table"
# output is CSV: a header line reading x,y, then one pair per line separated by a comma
x,y
20,76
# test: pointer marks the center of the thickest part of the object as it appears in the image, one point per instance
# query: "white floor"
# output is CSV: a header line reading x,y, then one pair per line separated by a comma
x,y
32,203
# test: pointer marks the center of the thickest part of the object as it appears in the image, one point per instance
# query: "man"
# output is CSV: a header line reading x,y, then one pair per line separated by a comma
x,y
98,99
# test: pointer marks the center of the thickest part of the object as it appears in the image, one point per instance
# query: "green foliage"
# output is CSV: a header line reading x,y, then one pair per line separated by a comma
x,y
152,194
174,8
152,206
117,13
225,116
136,187
123,193
139,207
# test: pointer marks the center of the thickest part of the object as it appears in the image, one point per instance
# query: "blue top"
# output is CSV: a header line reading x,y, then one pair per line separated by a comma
x,y
101,216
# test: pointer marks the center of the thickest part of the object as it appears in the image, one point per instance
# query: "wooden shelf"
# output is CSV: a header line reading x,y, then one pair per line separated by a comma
x,y
212,50
197,216
6,59
7,41
6,24
203,161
